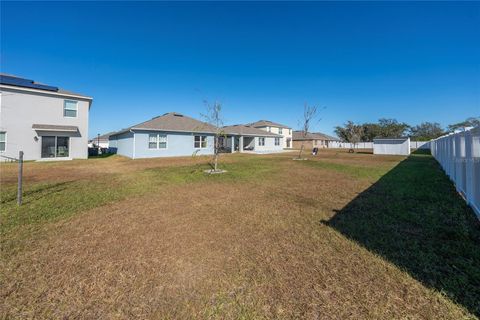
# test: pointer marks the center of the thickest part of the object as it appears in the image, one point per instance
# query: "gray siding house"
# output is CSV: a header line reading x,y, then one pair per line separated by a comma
x,y
169,135
174,134
43,121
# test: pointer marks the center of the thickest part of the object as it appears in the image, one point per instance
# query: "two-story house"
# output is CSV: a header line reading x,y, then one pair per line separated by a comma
x,y
283,130
45,122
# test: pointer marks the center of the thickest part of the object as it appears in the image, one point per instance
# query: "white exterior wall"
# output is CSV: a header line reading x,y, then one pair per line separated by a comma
x,y
286,133
459,156
269,145
20,109
392,146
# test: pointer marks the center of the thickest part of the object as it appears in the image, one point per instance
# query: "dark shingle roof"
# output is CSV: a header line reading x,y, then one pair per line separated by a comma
x,y
172,121
246,130
267,123
298,135
52,127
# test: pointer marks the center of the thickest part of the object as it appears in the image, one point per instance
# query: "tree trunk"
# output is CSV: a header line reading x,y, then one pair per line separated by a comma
x,y
301,150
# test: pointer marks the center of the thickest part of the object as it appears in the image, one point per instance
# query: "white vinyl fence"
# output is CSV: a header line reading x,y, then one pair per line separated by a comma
x,y
425,145
459,156
348,145
369,145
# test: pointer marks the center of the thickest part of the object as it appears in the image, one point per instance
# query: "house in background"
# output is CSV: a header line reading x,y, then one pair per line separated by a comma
x,y
174,134
243,138
100,141
169,135
43,121
283,130
312,140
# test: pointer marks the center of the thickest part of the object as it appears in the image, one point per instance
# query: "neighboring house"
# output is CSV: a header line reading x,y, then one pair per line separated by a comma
x,y
312,140
246,138
392,146
174,134
169,135
100,141
276,128
44,122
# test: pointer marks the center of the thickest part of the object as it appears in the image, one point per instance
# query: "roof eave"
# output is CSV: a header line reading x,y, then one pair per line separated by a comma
x,y
71,95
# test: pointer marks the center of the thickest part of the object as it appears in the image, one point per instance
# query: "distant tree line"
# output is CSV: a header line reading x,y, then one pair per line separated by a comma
x,y
391,128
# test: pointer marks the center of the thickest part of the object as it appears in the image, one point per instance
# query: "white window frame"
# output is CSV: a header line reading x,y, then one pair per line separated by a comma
x,y
202,139
280,130
261,142
4,142
65,108
157,141
277,141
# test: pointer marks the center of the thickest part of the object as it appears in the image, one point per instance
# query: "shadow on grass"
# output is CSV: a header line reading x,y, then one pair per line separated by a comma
x,y
414,218
40,190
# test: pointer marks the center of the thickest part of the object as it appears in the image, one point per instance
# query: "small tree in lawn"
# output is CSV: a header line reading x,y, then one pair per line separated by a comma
x,y
351,133
309,115
214,118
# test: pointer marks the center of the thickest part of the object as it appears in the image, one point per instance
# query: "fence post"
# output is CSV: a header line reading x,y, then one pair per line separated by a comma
x,y
20,178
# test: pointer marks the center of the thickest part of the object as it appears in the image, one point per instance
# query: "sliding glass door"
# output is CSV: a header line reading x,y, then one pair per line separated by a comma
x,y
55,147
62,146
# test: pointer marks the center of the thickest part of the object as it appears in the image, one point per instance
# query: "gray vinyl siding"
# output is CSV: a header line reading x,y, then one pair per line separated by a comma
x,y
122,144
21,109
178,144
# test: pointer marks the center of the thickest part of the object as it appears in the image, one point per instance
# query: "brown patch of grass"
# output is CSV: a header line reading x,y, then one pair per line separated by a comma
x,y
217,248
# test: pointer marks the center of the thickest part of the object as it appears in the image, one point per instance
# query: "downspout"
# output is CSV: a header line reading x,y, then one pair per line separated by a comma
x,y
133,155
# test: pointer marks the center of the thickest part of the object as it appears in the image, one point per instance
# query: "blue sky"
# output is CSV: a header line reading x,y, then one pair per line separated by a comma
x,y
410,61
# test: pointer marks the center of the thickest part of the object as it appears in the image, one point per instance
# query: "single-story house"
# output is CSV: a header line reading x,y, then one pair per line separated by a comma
x,y
311,140
169,135
174,134
392,146
243,138
43,121
273,127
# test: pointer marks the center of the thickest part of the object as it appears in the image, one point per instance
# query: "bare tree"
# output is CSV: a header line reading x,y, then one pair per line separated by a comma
x,y
214,118
309,115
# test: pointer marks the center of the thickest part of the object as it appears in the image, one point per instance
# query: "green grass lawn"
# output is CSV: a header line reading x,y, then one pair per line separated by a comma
x,y
337,236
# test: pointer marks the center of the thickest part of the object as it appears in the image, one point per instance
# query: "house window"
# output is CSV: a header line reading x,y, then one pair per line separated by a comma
x,y
277,141
3,141
70,108
261,141
269,129
157,141
162,141
55,147
280,130
289,132
200,142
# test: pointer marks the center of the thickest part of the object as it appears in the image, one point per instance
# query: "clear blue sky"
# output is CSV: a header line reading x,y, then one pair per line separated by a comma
x,y
410,61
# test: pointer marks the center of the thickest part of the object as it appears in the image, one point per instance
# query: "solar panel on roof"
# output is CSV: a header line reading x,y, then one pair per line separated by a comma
x,y
26,83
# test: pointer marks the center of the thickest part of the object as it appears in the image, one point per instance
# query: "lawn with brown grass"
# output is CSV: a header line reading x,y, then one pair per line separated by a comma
x,y
338,236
